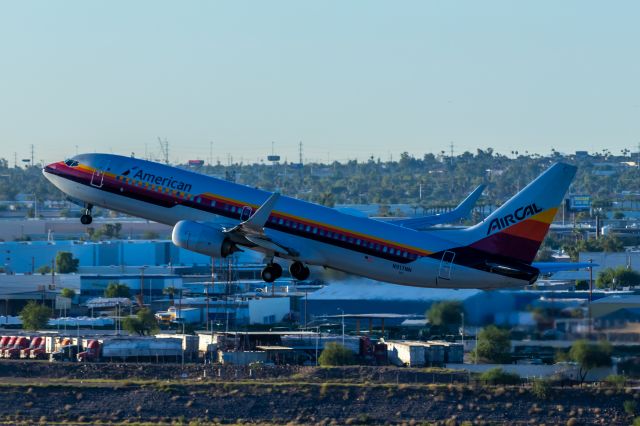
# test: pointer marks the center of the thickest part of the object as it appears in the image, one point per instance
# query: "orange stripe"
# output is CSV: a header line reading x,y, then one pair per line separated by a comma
x,y
529,229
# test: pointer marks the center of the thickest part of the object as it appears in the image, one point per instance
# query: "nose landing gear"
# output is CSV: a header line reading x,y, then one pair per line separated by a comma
x,y
271,272
86,217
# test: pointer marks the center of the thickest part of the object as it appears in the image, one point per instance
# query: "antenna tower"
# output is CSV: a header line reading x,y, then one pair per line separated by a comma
x,y
300,152
164,149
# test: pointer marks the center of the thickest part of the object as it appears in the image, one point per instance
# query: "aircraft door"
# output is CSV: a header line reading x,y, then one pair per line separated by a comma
x,y
245,213
97,178
446,265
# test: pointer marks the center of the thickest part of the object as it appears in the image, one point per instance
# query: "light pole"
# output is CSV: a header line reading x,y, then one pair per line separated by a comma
x,y
342,310
317,338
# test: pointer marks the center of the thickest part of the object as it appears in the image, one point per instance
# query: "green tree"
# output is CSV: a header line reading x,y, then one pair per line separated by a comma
x,y
335,354
590,356
446,314
545,255
115,289
68,293
494,345
44,269
143,323
66,263
35,316
615,278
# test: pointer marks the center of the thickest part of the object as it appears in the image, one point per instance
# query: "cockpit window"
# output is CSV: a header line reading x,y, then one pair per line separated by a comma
x,y
71,163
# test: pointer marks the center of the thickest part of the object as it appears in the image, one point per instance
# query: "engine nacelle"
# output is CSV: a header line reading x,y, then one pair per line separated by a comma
x,y
201,238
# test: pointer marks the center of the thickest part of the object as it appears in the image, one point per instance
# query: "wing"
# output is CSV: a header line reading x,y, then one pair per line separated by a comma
x,y
251,233
460,212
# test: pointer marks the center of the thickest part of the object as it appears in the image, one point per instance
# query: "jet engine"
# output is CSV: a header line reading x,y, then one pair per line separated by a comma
x,y
202,238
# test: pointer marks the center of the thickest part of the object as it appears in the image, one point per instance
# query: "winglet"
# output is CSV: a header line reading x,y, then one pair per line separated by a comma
x,y
257,220
464,208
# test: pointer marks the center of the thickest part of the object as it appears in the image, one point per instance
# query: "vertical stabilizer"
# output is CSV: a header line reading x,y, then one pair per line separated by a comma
x,y
517,228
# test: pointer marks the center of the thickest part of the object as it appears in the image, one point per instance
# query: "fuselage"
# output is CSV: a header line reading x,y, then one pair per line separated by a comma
x,y
319,235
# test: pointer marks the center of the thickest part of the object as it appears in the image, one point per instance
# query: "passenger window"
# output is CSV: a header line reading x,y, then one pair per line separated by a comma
x,y
308,228
391,250
213,203
322,232
384,249
315,230
281,221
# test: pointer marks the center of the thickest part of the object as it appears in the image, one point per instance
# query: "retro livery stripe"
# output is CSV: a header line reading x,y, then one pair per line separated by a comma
x,y
232,208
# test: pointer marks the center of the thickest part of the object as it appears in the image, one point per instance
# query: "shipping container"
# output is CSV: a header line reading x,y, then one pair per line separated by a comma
x,y
403,353
241,358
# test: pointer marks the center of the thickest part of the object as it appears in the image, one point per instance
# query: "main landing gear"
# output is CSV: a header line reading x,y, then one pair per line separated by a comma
x,y
271,272
299,271
86,217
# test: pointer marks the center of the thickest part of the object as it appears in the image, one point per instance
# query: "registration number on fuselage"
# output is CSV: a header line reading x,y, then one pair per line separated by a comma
x,y
401,268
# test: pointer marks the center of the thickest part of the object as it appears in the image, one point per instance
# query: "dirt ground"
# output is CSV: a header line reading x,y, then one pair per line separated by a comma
x,y
118,393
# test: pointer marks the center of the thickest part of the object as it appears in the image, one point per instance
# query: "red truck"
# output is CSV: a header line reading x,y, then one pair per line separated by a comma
x,y
13,351
9,344
36,343
3,342
92,353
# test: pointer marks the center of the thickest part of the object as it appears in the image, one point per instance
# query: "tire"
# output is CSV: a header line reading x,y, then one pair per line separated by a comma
x,y
298,271
268,275
277,270
85,219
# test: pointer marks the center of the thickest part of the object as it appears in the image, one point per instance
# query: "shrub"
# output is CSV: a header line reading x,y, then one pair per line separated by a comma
x,y
541,388
617,381
335,354
630,407
497,376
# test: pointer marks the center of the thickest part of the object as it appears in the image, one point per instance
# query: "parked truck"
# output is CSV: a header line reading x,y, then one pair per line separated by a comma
x,y
66,350
132,349
36,342
13,352
4,340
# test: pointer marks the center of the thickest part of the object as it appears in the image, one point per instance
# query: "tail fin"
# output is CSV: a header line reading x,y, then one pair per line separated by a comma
x,y
518,227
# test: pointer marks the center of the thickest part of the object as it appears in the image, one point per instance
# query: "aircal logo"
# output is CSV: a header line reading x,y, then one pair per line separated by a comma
x,y
513,218
169,182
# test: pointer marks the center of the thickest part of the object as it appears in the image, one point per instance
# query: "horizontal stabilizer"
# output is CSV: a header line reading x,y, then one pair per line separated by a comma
x,y
551,267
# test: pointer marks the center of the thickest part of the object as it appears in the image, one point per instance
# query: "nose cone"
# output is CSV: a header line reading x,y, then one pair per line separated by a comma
x,y
51,170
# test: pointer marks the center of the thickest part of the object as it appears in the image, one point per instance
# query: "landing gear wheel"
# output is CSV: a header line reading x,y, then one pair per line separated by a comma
x,y
299,271
86,218
277,269
271,272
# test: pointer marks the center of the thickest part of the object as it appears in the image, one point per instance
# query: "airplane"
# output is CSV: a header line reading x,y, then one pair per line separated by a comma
x,y
496,253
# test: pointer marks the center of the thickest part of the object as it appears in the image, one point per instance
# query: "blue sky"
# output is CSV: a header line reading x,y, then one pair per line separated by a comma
x,y
349,79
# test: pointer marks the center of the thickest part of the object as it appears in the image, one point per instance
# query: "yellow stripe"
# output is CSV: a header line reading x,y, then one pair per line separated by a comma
x,y
545,216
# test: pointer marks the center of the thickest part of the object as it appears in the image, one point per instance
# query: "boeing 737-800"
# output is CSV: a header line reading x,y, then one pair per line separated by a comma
x,y
496,253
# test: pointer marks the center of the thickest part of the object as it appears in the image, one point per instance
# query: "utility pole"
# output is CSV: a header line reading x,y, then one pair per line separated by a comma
x,y
32,155
451,157
300,152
